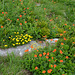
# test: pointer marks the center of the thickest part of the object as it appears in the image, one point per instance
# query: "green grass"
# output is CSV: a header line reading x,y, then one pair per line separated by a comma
x,y
52,18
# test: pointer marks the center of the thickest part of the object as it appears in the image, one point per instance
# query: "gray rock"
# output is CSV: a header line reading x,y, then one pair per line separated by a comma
x,y
19,50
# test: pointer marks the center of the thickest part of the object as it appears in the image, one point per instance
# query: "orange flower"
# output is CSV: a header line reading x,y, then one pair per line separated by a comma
x,y
52,57
64,31
65,38
44,53
20,15
6,12
21,3
47,57
62,74
31,46
51,65
54,50
36,68
24,13
8,19
44,8
49,71
51,39
54,60
36,19
48,53
20,0
24,8
54,65
61,34
73,42
17,19
73,24
51,20
40,41
55,40
40,55
61,52
44,36
65,24
43,71
74,54
1,26
20,23
61,60
62,43
53,27
66,57
56,17
69,28
25,21
2,12
27,8
49,60
35,55
37,50
27,50
46,39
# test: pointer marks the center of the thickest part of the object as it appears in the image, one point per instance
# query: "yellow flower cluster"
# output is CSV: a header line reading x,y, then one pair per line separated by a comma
x,y
20,39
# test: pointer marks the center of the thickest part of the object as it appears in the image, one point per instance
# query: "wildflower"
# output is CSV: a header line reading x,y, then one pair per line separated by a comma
x,y
2,12
36,68
27,50
21,3
54,65
20,0
52,57
49,71
51,39
6,12
20,15
27,8
73,42
73,24
35,55
25,21
62,74
55,40
65,24
46,39
36,19
53,27
37,50
13,44
44,53
54,50
40,55
1,26
69,28
44,36
5,45
17,19
61,34
20,23
56,17
24,8
44,8
64,31
48,53
43,71
51,19
49,60
24,13
61,60
22,42
66,57
65,38
62,43
17,43
51,65
31,46
17,32
61,52
47,57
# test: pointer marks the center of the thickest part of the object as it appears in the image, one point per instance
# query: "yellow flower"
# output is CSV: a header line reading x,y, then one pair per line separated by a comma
x,y
22,42
13,44
26,41
3,40
14,32
26,35
5,45
17,32
9,37
22,39
17,43
25,38
17,40
21,34
16,36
